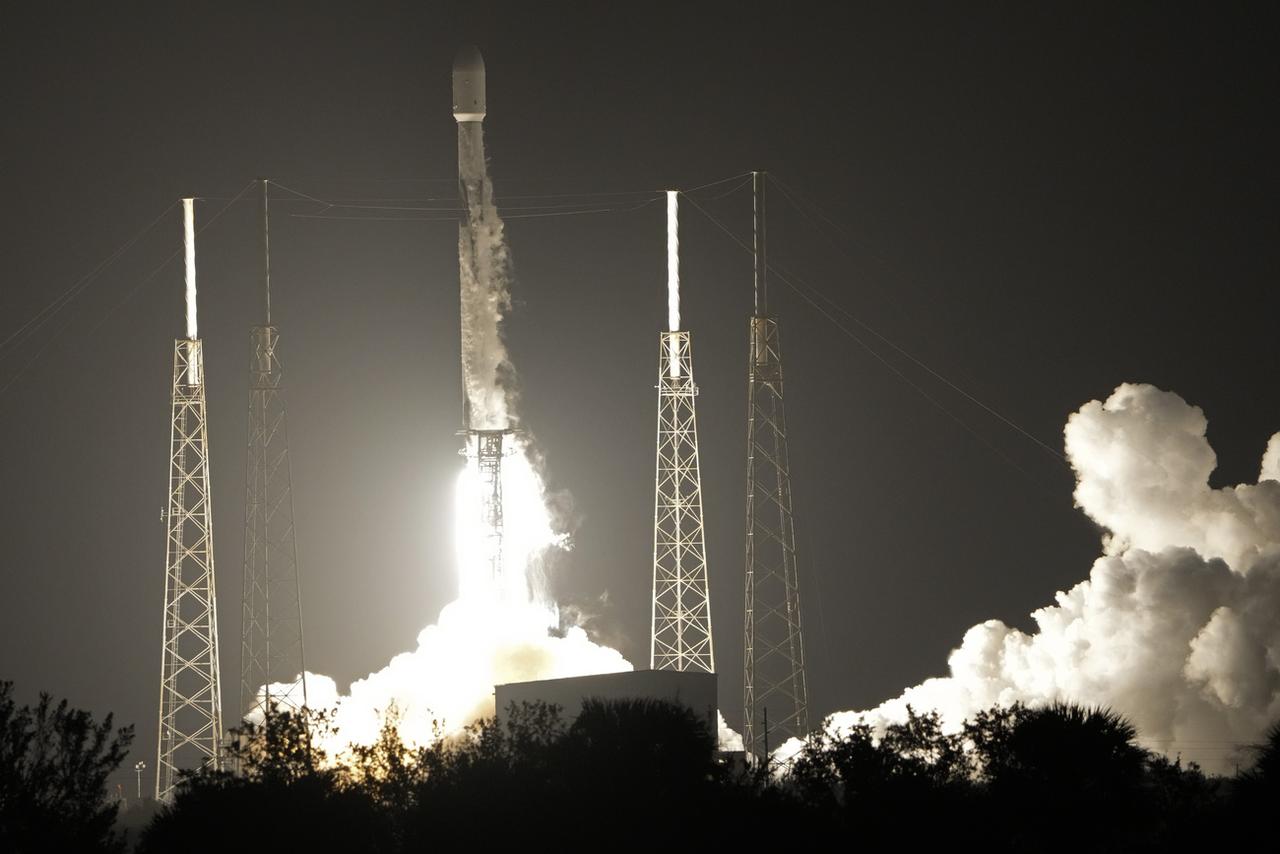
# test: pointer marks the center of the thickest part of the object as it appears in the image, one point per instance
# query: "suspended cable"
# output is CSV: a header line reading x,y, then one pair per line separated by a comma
x,y
200,230
783,276
36,321
716,183
134,290
369,204
539,213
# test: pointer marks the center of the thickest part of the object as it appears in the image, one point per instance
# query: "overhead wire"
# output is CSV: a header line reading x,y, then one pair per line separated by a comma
x,y
63,299
132,291
537,210
530,211
200,230
786,279
904,353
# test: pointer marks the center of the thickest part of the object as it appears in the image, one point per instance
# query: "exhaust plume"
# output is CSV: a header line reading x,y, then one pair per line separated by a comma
x,y
1175,627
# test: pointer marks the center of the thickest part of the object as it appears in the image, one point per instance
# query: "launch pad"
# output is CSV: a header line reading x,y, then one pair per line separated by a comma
x,y
488,447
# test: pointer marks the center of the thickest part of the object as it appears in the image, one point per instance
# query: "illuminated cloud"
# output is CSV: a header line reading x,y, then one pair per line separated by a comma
x,y
1175,626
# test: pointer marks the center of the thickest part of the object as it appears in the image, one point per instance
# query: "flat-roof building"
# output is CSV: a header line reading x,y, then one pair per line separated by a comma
x,y
694,689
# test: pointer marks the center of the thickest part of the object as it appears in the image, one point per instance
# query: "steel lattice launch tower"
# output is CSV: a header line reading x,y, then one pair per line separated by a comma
x,y
774,678
271,649
190,694
486,425
681,638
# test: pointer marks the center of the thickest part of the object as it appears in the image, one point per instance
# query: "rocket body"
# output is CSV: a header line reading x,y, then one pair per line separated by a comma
x,y
483,265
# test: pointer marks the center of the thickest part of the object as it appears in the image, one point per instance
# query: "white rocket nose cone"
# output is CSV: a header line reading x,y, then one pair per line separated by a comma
x,y
468,59
468,85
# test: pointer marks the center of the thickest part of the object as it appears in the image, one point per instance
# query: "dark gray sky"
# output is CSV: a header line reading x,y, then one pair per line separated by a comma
x,y
1040,203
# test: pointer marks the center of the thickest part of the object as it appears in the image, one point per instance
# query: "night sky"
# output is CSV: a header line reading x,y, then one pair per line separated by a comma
x,y
1037,202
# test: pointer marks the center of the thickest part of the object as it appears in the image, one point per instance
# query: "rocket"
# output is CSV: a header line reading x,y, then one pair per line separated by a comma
x,y
469,112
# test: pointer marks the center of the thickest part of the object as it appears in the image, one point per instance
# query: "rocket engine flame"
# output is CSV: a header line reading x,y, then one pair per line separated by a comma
x,y
496,631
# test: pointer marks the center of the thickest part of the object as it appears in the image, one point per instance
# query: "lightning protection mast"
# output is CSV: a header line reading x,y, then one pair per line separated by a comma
x,y
190,693
272,664
774,677
681,638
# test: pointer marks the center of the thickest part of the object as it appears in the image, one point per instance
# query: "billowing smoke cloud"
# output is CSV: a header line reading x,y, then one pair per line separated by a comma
x,y
447,681
485,637
1176,626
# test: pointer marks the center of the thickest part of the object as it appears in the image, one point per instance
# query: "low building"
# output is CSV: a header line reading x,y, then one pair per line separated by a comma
x,y
696,690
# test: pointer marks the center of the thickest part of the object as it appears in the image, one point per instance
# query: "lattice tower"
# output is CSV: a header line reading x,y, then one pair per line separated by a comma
x,y
271,638
190,693
681,638
774,677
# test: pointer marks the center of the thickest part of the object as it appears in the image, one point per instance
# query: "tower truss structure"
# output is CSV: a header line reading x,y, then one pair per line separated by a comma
x,y
681,637
271,651
489,454
774,686
190,693
271,639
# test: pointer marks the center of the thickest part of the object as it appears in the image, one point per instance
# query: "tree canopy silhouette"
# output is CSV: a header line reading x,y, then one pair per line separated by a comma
x,y
54,763
1056,778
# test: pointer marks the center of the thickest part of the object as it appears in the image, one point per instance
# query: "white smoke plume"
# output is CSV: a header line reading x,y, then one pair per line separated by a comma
x,y
1176,626
486,637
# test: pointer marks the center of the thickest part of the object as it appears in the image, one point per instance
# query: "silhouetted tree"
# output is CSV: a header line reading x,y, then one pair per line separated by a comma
x,y
1264,776
1185,809
489,771
278,792
618,760
54,764
1063,776
879,787
1015,779
1256,791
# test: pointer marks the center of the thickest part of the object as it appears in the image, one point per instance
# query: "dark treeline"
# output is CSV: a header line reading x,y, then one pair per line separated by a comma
x,y
632,773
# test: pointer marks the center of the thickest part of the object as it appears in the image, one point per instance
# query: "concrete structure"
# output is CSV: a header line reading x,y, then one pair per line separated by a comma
x,y
694,689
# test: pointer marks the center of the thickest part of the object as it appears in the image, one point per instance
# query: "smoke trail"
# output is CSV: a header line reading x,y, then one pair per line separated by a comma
x,y
485,272
1176,625
189,249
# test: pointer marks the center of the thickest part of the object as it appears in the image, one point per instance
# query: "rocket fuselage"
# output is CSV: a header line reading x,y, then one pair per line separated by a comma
x,y
469,112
